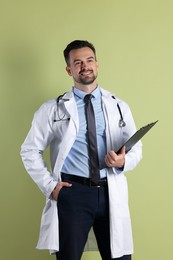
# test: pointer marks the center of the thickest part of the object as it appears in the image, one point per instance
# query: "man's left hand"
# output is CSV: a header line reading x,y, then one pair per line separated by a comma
x,y
115,160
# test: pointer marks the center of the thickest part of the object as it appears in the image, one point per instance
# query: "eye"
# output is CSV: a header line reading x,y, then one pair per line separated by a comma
x,y
77,63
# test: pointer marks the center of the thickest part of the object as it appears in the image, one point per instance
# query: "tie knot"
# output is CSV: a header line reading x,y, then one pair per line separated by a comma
x,y
87,98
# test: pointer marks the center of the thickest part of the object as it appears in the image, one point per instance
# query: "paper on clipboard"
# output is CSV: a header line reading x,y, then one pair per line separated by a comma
x,y
137,136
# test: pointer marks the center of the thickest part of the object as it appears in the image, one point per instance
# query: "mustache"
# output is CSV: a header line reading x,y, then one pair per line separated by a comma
x,y
84,70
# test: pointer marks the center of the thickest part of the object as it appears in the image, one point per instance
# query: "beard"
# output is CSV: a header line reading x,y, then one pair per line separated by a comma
x,y
86,78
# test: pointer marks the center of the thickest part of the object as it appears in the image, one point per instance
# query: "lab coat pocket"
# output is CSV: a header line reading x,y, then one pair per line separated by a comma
x,y
123,197
119,196
60,127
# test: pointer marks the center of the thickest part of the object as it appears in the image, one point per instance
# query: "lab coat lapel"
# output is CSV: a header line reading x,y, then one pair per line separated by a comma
x,y
111,114
71,108
70,133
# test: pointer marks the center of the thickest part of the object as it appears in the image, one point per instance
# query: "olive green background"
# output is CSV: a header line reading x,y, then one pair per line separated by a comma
x,y
134,41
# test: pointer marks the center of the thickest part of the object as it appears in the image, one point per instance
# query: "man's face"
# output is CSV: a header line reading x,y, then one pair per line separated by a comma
x,y
83,66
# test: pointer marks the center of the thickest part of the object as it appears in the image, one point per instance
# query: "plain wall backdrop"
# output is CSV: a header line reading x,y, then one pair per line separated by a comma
x,y
134,41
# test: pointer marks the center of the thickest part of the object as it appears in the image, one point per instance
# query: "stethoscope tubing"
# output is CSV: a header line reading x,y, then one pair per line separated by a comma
x,y
121,121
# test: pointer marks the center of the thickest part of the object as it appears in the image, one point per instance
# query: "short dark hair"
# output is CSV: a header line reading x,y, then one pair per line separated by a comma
x,y
77,44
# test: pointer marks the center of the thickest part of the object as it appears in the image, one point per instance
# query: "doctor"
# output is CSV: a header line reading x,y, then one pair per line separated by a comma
x,y
74,204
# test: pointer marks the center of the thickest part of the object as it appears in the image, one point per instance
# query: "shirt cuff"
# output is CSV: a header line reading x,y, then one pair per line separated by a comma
x,y
118,170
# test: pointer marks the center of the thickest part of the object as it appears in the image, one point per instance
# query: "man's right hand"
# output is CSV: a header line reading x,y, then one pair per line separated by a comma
x,y
57,189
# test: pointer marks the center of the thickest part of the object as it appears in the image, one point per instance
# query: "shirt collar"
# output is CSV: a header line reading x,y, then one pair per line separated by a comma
x,y
81,94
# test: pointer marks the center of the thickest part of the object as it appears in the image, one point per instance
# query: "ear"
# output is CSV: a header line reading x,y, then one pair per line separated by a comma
x,y
68,71
97,64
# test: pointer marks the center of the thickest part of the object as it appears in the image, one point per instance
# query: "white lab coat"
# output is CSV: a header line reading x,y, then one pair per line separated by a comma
x,y
58,128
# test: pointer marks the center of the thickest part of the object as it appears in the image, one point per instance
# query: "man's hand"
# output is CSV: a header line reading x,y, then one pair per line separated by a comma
x,y
115,160
57,189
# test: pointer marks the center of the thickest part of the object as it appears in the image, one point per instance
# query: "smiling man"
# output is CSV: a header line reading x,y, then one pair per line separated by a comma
x,y
83,67
86,187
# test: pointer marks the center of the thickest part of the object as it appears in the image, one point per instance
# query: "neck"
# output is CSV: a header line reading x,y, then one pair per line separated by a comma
x,y
86,88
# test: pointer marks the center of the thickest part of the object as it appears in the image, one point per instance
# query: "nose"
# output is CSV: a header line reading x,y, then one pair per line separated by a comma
x,y
84,65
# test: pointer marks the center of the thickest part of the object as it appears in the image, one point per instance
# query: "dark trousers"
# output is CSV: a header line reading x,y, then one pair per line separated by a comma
x,y
81,207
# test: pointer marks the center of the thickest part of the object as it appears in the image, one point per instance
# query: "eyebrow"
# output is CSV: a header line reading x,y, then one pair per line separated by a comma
x,y
88,58
91,57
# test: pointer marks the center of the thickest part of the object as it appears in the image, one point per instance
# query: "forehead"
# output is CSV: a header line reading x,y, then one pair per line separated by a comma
x,y
82,53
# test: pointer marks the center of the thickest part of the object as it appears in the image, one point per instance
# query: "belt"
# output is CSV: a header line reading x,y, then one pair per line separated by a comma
x,y
86,181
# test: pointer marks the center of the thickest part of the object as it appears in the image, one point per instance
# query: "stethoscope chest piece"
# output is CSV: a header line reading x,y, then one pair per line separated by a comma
x,y
122,123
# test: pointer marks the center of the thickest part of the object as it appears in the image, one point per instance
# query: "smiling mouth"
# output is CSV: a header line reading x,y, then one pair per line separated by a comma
x,y
86,73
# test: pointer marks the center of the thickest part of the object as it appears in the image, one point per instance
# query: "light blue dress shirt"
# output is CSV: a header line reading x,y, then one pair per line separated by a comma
x,y
77,161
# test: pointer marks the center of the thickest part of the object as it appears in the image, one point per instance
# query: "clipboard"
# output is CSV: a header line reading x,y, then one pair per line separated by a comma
x,y
137,136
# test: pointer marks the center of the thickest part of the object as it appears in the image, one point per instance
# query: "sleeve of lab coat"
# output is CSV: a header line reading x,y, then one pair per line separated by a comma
x,y
37,140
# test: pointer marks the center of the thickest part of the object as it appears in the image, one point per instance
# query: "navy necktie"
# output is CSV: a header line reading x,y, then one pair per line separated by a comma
x,y
92,140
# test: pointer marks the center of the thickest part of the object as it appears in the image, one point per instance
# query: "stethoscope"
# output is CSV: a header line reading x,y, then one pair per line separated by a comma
x,y
121,121
63,117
